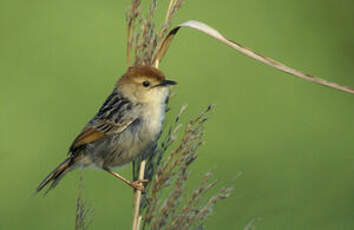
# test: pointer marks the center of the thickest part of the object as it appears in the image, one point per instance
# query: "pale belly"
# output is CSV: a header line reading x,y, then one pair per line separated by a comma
x,y
138,138
118,150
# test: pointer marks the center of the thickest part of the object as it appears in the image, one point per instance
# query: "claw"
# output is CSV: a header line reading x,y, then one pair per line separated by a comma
x,y
138,185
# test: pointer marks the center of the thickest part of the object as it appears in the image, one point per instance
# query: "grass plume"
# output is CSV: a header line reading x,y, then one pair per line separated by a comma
x,y
83,211
143,36
166,203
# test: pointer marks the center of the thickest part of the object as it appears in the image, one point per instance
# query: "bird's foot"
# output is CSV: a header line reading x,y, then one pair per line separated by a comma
x,y
138,184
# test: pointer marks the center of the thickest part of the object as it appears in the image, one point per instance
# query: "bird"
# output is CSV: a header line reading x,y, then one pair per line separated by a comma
x,y
127,124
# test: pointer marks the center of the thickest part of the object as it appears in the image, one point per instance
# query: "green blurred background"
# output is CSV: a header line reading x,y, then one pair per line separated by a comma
x,y
293,140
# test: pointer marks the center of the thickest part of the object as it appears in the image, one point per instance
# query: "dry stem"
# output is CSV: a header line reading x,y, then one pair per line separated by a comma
x,y
246,51
137,199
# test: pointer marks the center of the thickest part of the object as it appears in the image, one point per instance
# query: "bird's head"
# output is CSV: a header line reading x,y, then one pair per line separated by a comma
x,y
144,84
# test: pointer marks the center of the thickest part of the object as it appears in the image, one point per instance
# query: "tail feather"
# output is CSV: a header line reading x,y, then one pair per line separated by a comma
x,y
55,176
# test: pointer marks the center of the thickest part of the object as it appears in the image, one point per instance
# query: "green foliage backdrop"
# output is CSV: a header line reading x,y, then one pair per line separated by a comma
x,y
292,140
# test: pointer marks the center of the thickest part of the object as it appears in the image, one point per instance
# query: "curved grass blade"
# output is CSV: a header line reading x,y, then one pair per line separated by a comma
x,y
246,51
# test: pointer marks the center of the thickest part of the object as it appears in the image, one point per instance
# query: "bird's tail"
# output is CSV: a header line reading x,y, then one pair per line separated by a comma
x,y
55,176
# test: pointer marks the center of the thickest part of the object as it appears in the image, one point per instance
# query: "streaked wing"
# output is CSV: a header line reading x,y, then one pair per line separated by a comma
x,y
87,135
115,115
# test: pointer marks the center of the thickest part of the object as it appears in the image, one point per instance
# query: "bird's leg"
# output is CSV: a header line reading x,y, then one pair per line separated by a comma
x,y
138,185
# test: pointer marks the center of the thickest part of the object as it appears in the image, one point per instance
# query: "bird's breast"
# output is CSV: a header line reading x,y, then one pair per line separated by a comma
x,y
136,139
152,119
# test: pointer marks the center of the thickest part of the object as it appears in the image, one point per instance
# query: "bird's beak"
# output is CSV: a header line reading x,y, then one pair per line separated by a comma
x,y
166,83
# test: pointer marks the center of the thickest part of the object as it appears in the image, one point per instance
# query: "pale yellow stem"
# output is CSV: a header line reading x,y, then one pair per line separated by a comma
x,y
137,199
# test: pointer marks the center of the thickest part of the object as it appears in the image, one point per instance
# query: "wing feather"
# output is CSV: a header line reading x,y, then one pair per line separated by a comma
x,y
114,116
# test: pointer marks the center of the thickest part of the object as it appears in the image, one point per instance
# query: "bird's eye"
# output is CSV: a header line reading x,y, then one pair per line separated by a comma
x,y
146,83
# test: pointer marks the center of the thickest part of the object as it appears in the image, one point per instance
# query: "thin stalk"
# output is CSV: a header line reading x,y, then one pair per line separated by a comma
x,y
137,200
246,51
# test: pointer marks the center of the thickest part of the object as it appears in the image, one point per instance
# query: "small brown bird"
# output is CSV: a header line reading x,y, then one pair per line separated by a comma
x,y
126,125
